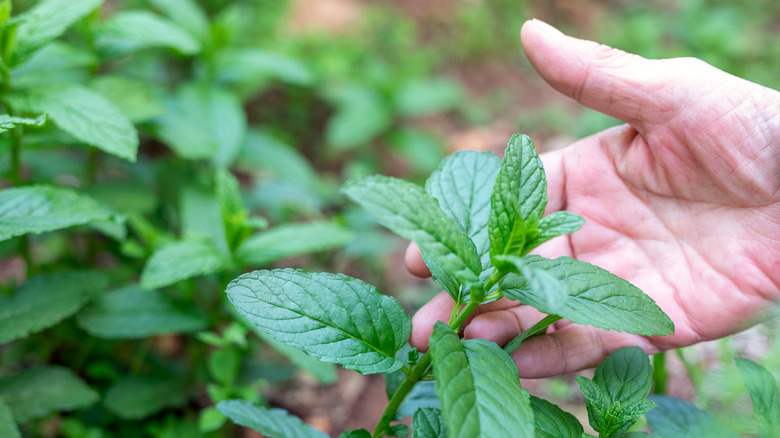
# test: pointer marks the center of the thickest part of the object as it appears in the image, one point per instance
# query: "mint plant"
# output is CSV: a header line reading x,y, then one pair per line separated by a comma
x,y
475,222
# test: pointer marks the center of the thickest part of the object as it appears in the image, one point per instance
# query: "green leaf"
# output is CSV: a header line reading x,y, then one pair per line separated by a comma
x,y
361,115
266,153
463,184
617,395
762,387
129,31
8,427
429,423
360,433
276,423
427,96
625,375
542,289
8,123
137,100
48,20
203,122
290,240
84,114
596,297
408,211
39,208
179,261
674,418
479,388
201,218
132,313
187,14
518,199
551,421
596,402
252,65
418,148
54,62
45,300
554,225
331,317
210,419
223,365
38,392
136,397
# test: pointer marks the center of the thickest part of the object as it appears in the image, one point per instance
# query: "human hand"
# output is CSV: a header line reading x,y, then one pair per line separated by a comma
x,y
683,202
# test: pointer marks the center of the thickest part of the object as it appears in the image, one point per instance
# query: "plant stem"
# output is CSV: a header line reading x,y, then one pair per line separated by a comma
x,y
414,376
419,371
659,373
538,329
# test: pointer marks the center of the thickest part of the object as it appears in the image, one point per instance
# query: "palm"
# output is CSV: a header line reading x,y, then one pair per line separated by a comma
x,y
684,202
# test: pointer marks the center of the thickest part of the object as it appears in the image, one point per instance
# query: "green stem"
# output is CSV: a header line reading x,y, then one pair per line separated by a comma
x,y
419,371
414,376
659,373
538,329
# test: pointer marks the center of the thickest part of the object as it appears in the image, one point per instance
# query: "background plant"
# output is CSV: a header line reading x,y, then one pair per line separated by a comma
x,y
90,86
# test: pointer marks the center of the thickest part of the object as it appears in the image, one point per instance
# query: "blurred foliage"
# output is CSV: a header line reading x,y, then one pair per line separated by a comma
x,y
246,125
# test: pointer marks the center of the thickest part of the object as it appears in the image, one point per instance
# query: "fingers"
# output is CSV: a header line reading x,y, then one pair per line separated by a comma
x,y
414,261
572,348
437,309
625,86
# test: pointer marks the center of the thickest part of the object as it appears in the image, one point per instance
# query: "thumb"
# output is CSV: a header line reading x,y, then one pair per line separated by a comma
x,y
625,86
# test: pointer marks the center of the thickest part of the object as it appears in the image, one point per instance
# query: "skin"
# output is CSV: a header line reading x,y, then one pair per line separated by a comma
x,y
683,201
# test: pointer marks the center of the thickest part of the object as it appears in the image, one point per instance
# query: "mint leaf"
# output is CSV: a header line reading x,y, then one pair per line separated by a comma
x,y
201,218
290,240
479,388
8,427
138,100
40,208
463,184
596,297
132,313
360,433
596,402
361,114
427,96
276,423
331,317
551,421
48,20
411,213
762,387
179,261
54,62
45,300
203,122
675,418
429,423
625,375
84,114
187,14
554,225
249,66
136,397
8,123
518,199
542,289
617,395
38,392
129,31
